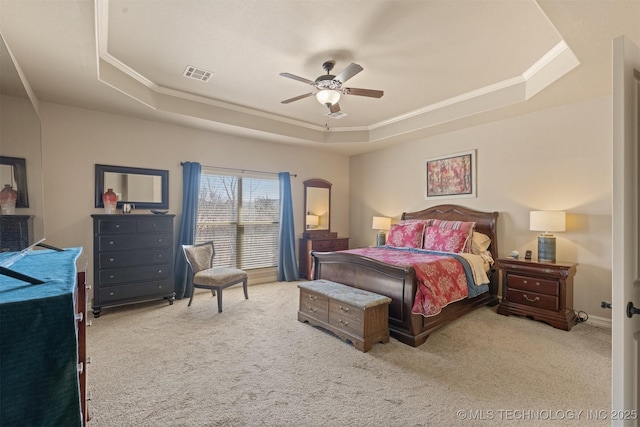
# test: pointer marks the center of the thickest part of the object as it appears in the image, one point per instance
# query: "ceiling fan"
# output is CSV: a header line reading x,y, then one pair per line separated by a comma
x,y
329,87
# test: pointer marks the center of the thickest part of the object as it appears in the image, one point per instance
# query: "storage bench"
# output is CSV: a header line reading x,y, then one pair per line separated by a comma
x,y
352,314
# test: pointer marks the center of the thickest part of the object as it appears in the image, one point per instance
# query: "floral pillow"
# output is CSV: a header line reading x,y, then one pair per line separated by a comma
x,y
445,239
467,227
406,235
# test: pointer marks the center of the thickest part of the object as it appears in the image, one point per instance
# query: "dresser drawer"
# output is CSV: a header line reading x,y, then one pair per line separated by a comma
x,y
533,299
116,226
124,292
115,243
329,245
122,275
532,284
346,317
131,258
314,305
157,225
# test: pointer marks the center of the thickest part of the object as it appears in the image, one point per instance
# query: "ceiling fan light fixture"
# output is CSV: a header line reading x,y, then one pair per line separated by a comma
x,y
328,96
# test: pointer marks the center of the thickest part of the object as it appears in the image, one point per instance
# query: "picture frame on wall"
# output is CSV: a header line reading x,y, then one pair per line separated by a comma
x,y
451,176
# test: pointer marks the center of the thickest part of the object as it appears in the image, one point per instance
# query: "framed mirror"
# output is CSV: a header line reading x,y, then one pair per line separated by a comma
x,y
146,188
317,206
13,171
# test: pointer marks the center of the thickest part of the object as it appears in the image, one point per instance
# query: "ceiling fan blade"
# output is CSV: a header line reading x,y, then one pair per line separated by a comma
x,y
334,108
351,70
295,98
298,78
362,92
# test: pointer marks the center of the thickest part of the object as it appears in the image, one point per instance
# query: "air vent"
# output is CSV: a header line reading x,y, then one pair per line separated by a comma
x,y
197,73
336,115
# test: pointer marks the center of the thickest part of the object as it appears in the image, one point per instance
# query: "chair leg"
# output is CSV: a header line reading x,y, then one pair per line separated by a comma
x,y
244,287
219,300
193,291
213,292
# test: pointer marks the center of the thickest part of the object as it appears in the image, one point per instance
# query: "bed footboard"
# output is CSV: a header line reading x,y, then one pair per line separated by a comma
x,y
397,283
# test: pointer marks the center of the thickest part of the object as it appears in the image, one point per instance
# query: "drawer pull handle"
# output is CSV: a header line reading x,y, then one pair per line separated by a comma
x,y
80,367
112,293
344,309
313,297
79,317
111,242
531,300
117,225
111,276
525,282
160,271
343,322
159,255
160,240
537,283
312,309
111,260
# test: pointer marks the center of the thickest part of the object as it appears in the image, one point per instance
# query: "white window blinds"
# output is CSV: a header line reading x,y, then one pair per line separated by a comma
x,y
241,215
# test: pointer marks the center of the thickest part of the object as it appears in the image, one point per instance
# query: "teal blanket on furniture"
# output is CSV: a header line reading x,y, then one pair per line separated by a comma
x,y
38,342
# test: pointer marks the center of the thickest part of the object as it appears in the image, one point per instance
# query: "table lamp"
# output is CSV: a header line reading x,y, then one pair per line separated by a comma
x,y
381,223
312,221
547,221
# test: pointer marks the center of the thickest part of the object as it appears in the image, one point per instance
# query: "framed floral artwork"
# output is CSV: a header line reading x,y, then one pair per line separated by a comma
x,y
451,176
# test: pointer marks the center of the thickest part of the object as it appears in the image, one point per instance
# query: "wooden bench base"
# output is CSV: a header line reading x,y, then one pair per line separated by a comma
x,y
352,314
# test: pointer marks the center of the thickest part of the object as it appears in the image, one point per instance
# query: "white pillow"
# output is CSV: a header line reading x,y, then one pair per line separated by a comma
x,y
479,243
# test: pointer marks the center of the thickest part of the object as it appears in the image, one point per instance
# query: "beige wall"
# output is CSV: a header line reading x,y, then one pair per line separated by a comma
x,y
558,159
74,140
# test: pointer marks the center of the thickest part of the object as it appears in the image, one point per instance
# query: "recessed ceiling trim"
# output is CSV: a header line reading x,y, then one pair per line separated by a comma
x,y
554,64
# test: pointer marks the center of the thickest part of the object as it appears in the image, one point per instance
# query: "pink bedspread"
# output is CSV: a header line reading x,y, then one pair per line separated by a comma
x,y
441,278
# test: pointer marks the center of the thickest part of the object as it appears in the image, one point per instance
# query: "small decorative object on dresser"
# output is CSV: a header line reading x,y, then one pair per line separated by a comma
x,y
110,201
538,290
8,197
133,259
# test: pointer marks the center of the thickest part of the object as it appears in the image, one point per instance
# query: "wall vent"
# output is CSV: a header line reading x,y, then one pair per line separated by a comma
x,y
197,73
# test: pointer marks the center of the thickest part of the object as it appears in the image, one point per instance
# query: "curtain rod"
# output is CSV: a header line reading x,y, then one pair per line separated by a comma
x,y
242,170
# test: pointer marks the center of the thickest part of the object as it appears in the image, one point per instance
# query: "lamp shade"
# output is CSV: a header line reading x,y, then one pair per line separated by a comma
x,y
547,221
312,220
381,223
328,96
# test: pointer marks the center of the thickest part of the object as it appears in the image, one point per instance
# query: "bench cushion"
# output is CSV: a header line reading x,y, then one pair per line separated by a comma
x,y
344,293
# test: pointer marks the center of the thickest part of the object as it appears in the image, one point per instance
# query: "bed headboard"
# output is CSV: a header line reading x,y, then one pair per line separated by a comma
x,y
486,222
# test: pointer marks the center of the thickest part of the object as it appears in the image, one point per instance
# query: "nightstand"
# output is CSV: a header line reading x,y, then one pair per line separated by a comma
x,y
538,290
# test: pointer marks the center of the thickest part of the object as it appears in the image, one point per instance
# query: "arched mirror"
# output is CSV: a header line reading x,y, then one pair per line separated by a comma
x,y
317,206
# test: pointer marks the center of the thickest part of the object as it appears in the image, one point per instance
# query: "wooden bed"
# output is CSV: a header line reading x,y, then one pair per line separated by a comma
x,y
399,283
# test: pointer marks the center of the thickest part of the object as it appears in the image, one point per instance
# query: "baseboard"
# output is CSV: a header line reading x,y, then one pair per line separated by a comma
x,y
599,322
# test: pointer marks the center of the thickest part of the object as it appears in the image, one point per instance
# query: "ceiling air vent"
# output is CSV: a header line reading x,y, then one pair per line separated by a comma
x,y
197,73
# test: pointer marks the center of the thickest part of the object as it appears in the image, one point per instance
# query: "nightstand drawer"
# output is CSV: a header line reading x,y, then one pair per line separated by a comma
x,y
533,299
533,284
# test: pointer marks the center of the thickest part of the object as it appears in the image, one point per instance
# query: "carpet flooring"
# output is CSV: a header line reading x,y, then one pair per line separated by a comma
x,y
254,364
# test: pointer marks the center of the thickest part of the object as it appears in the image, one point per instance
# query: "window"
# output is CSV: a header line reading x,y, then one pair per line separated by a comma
x,y
242,216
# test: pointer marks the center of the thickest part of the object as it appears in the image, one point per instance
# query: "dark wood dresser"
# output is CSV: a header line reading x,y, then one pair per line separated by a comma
x,y
16,231
538,290
327,242
132,259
